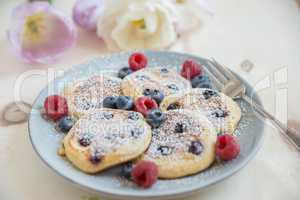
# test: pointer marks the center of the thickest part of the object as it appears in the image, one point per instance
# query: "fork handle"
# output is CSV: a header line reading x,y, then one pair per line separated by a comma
x,y
289,134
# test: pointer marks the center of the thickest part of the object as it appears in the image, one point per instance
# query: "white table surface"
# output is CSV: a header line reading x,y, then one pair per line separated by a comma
x,y
266,32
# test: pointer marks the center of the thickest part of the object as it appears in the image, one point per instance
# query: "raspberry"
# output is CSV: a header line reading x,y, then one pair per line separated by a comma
x,y
137,61
191,69
55,107
227,147
144,105
145,173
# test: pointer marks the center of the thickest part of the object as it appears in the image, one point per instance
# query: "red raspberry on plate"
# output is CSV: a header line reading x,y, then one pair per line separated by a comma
x,y
145,173
55,107
144,105
137,61
191,69
227,147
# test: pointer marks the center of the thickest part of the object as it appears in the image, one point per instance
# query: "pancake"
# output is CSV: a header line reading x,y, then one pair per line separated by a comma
x,y
168,81
184,144
87,94
106,137
221,110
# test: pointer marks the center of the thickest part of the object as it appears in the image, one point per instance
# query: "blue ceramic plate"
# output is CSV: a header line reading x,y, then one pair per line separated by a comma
x,y
45,140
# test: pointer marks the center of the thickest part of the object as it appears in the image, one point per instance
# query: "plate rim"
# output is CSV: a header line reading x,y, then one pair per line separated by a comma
x,y
131,195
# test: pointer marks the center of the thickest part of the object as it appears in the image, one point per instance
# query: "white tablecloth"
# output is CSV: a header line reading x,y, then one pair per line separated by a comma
x,y
265,32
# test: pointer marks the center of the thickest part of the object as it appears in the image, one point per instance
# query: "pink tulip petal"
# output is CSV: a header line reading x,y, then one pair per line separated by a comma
x,y
85,13
56,33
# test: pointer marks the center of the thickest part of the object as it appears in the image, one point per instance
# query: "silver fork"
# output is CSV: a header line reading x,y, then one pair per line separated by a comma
x,y
228,83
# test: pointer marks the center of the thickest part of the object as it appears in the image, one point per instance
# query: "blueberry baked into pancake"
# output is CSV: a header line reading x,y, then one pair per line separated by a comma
x,y
183,144
106,137
156,81
221,110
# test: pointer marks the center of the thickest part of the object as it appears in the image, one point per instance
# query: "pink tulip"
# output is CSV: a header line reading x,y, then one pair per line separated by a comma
x,y
40,33
86,12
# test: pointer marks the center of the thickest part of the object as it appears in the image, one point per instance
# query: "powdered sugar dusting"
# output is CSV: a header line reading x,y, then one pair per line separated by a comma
x,y
167,81
167,140
210,103
89,93
108,130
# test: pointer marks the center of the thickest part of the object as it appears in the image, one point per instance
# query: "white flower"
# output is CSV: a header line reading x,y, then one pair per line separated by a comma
x,y
137,24
190,13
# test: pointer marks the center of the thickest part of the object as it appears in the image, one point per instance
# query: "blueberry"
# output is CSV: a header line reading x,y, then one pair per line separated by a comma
x,y
164,70
96,158
136,132
147,92
158,96
85,140
155,94
124,103
109,102
133,116
126,170
180,128
164,150
155,118
173,106
124,72
65,124
196,147
173,87
220,113
209,93
201,81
